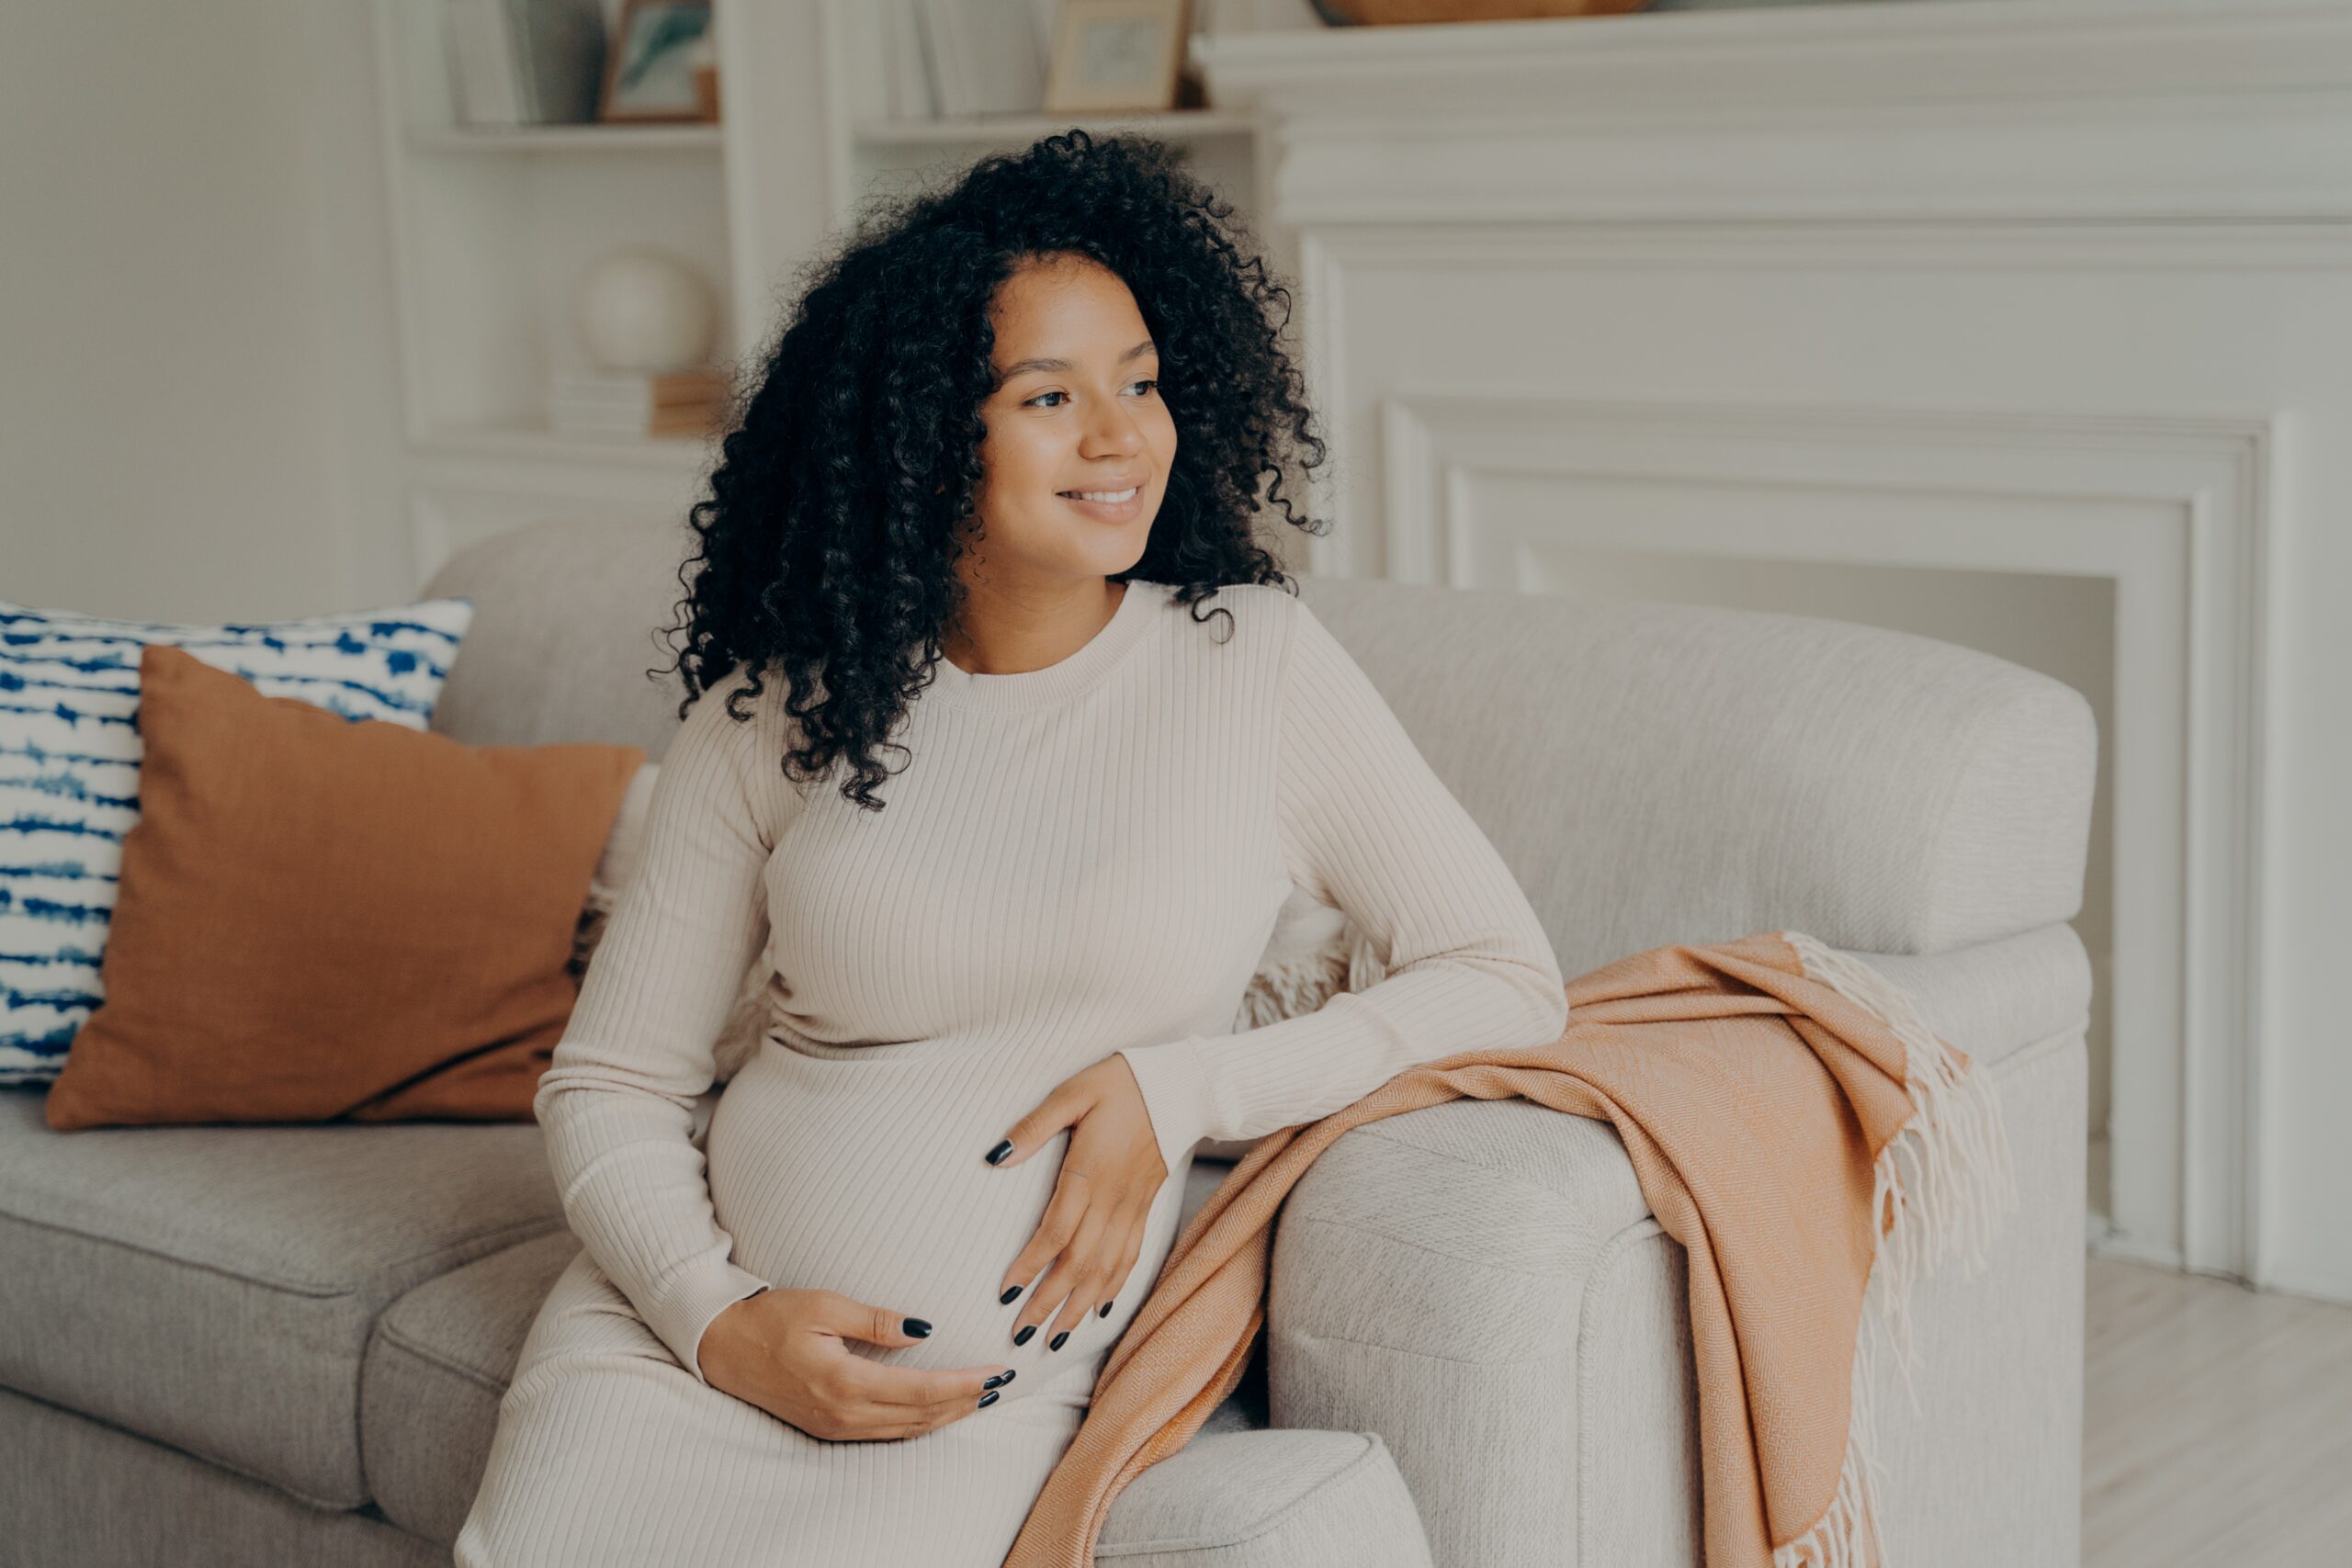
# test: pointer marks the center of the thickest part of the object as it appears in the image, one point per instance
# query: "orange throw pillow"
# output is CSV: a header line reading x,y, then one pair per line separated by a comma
x,y
323,918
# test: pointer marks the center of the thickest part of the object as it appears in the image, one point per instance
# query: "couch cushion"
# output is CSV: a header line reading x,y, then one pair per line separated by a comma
x,y
80,1493
1235,1496
214,1287
436,1367
442,1356
1270,1499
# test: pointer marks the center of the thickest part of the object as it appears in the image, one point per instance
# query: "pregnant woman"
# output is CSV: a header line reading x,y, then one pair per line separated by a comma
x,y
989,513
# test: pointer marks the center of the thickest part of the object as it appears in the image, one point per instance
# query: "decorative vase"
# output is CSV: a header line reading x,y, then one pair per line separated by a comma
x,y
640,310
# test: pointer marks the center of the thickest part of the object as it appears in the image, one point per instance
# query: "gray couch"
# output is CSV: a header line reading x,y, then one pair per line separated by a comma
x,y
254,1346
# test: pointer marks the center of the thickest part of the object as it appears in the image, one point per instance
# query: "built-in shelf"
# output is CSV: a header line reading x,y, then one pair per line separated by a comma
x,y
963,129
698,138
496,227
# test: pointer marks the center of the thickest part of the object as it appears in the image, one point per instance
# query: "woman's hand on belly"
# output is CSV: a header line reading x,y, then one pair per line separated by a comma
x,y
783,1352
1094,1228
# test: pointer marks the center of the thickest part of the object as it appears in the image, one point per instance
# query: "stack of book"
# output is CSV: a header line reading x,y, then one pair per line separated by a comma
x,y
620,405
952,58
526,61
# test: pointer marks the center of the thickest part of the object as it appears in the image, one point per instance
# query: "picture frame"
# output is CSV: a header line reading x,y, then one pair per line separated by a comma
x,y
657,68
1113,56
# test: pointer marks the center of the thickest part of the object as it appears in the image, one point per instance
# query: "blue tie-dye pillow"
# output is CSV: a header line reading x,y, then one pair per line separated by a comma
x,y
69,772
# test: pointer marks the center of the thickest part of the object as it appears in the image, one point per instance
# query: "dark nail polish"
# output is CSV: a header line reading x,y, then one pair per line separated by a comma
x,y
917,1328
1008,1295
999,1381
1055,1342
989,1399
998,1153
1105,1312
1023,1337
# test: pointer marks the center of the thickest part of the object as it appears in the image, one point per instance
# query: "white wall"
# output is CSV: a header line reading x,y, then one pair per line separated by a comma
x,y
197,402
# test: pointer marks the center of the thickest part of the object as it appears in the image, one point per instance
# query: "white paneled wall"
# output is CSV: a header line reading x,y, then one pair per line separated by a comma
x,y
2018,325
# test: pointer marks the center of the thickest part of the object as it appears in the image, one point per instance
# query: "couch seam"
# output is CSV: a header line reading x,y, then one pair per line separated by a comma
x,y
288,1287
201,1458
1975,755
1369,1131
1373,1443
359,1405
359,1372
417,1348
1617,1246
1989,711
1353,1227
2034,1049
1417,1355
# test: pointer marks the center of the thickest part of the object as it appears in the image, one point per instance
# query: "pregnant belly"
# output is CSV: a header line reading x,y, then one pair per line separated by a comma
x,y
866,1177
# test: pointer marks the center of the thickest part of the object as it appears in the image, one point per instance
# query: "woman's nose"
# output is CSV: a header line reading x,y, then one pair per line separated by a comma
x,y
1112,431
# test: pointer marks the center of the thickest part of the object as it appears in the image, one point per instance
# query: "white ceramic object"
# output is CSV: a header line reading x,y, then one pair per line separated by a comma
x,y
640,310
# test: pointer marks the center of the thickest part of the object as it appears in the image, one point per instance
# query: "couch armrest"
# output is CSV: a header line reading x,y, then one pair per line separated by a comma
x,y
1430,1279
1657,772
1482,1283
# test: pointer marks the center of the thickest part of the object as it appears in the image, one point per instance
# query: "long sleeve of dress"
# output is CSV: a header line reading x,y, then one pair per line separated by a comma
x,y
1368,827
616,1102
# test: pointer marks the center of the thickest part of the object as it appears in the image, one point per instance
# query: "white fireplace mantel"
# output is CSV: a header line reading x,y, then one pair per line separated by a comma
x,y
1926,304
2081,109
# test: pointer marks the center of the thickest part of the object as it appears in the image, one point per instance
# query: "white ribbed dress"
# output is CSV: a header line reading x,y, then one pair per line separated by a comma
x,y
1076,860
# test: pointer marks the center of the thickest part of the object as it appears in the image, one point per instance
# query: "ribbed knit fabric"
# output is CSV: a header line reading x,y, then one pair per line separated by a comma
x,y
1075,860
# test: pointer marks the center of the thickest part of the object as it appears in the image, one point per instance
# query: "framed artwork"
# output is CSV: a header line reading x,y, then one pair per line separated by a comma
x,y
659,66
1113,55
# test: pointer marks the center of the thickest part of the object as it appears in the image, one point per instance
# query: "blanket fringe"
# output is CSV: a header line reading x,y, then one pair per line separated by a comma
x,y
1944,1183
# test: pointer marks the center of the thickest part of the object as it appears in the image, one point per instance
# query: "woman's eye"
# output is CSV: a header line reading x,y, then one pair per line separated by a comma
x,y
1032,402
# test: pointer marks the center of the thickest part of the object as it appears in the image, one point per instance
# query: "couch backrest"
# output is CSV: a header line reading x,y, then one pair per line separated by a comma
x,y
1652,772
568,618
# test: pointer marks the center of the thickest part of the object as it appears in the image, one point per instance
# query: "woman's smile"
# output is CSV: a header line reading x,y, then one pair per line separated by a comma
x,y
1108,505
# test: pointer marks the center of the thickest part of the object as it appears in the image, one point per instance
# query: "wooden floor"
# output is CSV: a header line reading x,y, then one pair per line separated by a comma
x,y
2217,1424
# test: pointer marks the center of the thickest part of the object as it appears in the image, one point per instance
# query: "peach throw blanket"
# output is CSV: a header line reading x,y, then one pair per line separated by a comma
x,y
1774,1096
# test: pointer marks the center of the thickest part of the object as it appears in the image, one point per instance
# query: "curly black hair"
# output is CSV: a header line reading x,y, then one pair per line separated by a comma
x,y
828,544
